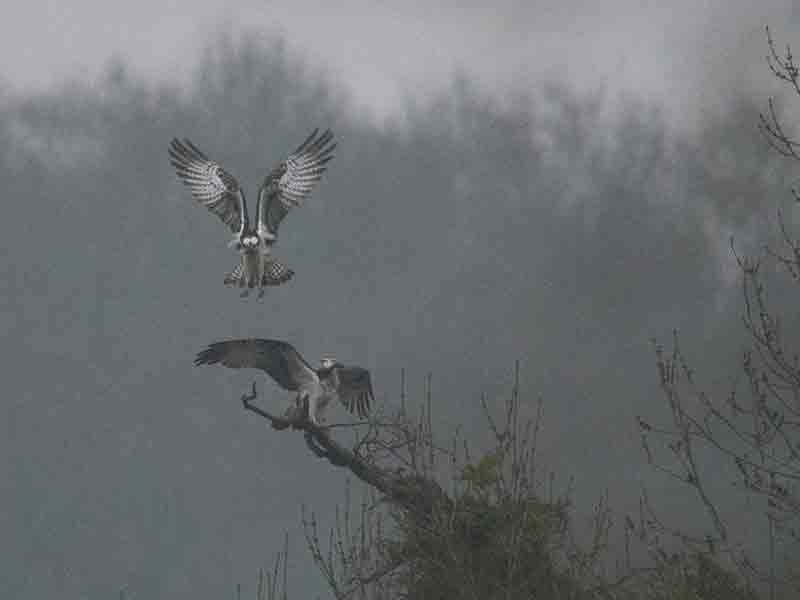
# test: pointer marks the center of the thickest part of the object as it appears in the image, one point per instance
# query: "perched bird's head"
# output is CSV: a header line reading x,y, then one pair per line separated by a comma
x,y
328,362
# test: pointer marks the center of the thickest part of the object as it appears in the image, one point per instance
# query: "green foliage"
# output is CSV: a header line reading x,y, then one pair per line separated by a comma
x,y
485,545
491,544
695,576
486,474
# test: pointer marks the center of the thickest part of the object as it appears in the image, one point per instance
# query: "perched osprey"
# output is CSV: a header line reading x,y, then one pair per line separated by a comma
x,y
286,186
332,381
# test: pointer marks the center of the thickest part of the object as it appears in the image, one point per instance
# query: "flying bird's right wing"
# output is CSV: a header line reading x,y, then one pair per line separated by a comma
x,y
210,184
292,181
278,359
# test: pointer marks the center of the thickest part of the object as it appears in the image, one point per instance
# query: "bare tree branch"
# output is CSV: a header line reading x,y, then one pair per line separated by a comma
x,y
411,492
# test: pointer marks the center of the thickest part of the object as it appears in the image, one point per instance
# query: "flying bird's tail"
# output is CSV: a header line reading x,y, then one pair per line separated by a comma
x,y
267,272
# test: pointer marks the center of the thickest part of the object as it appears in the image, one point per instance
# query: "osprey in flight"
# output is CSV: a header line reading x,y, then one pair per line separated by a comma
x,y
332,381
286,186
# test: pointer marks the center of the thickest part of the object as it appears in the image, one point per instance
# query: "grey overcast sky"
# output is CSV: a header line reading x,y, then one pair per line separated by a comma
x,y
564,231
682,53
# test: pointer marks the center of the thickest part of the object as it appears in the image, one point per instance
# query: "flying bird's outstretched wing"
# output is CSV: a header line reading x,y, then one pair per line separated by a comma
x,y
278,359
355,389
210,184
292,181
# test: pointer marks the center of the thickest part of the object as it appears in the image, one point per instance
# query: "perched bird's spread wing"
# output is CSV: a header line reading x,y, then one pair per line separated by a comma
x,y
355,389
292,181
210,184
278,359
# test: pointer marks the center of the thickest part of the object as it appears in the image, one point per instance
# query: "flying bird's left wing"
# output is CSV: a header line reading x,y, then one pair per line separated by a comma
x,y
292,181
210,184
355,389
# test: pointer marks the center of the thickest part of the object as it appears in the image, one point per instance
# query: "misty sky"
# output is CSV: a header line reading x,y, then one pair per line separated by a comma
x,y
512,182
684,54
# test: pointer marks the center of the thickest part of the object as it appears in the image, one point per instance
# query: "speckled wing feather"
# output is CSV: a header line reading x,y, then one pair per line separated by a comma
x,y
210,184
292,181
276,358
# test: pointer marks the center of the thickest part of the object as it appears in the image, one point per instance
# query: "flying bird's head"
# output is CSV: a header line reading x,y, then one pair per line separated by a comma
x,y
249,242
246,241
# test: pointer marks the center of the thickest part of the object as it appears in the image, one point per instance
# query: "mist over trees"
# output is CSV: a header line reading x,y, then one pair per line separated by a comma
x,y
552,229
